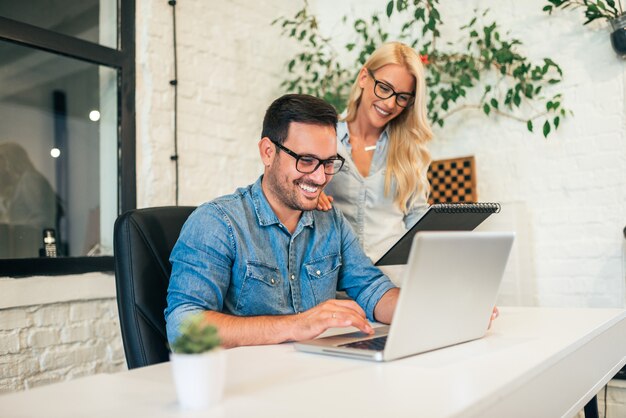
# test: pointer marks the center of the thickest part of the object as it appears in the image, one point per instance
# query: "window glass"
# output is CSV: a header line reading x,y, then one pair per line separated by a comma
x,y
90,20
58,154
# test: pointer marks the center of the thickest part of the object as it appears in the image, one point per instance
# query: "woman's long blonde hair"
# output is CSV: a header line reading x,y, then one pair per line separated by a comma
x,y
408,157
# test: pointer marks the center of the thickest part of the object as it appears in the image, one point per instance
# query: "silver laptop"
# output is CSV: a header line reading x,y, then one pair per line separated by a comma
x,y
448,292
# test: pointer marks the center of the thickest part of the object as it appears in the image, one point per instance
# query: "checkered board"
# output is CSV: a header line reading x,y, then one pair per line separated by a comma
x,y
452,181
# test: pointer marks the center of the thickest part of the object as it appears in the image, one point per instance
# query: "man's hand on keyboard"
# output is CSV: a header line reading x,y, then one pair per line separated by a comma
x,y
330,314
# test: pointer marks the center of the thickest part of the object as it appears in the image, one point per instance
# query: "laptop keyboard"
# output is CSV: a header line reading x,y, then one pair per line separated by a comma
x,y
374,344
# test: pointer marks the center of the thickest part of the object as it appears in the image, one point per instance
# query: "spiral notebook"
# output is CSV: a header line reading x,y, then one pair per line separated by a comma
x,y
439,217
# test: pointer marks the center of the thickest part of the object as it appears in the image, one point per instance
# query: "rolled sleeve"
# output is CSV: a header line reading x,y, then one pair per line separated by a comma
x,y
176,317
369,301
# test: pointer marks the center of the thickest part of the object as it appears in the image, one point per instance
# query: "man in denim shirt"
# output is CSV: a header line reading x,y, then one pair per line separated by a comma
x,y
262,263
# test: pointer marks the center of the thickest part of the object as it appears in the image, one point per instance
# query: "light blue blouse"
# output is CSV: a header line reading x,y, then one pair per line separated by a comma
x,y
374,217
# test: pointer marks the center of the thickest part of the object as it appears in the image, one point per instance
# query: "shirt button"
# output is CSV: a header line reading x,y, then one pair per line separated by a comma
x,y
318,272
273,281
293,276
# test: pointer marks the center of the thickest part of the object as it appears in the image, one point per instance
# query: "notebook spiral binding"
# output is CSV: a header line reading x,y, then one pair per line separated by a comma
x,y
466,207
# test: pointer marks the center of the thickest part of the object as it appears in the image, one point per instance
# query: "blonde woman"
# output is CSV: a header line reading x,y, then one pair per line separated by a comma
x,y
382,188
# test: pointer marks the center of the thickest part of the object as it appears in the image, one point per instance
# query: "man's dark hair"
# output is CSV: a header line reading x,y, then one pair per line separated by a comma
x,y
301,108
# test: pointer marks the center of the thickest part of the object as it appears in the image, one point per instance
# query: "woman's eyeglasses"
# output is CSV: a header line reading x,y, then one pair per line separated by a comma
x,y
384,91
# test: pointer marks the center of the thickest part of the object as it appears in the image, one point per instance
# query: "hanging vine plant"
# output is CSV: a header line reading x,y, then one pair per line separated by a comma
x,y
483,70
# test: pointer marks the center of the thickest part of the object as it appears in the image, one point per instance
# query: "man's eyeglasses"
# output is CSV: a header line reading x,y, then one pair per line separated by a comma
x,y
384,91
307,164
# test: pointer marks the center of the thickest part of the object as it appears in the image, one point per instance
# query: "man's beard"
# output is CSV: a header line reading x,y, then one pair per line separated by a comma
x,y
289,196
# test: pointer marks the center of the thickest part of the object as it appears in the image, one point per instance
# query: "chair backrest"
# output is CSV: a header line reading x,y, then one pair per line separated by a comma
x,y
452,181
143,241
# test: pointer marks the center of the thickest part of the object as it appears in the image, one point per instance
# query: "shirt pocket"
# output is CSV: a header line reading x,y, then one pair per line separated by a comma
x,y
261,291
322,275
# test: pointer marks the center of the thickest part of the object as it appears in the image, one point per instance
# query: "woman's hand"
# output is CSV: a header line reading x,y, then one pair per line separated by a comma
x,y
494,314
324,202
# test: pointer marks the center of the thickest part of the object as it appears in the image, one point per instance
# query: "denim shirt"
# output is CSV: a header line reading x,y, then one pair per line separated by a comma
x,y
234,256
376,219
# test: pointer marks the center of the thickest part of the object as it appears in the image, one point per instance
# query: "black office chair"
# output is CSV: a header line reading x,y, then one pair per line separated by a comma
x,y
143,241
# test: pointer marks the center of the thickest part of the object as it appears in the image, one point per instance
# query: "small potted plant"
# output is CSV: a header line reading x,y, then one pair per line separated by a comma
x,y
198,363
610,10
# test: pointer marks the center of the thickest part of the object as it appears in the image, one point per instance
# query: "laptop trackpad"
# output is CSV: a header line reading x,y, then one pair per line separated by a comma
x,y
341,339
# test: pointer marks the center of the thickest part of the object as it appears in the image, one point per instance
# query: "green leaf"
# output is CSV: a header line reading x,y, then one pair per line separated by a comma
x,y
529,125
486,109
556,122
508,98
494,103
528,91
546,129
420,14
389,8
435,14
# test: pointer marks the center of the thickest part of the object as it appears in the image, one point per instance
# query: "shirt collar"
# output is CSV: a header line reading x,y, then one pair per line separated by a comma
x,y
264,212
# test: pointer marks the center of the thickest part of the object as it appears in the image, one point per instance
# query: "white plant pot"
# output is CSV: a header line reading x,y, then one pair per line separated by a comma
x,y
199,378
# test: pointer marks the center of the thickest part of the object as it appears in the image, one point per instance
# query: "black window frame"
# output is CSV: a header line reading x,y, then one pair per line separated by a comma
x,y
122,60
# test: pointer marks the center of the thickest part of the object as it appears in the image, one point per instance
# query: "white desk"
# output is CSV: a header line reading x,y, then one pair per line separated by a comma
x,y
535,362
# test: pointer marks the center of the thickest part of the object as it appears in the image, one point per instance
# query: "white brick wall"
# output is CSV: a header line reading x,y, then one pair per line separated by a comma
x,y
229,65
49,343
